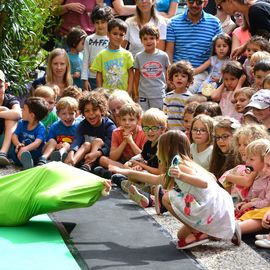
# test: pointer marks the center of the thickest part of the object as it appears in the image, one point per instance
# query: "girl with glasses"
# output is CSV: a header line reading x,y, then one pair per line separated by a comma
x,y
223,156
201,138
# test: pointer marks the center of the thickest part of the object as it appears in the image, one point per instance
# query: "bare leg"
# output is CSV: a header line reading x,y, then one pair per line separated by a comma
x,y
250,226
105,162
10,127
49,148
83,150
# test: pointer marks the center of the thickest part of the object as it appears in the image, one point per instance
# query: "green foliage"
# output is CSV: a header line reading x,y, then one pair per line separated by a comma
x,y
21,27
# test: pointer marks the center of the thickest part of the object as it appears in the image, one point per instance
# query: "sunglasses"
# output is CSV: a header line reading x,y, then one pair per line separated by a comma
x,y
175,162
198,2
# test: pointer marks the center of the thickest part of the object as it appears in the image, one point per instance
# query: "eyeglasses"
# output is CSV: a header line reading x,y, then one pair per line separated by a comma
x,y
153,128
199,130
237,15
223,137
198,2
175,162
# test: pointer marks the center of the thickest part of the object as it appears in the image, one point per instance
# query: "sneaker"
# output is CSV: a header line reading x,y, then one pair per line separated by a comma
x,y
125,185
264,243
26,160
236,240
138,197
102,172
42,161
117,178
160,209
4,161
261,236
56,156
64,156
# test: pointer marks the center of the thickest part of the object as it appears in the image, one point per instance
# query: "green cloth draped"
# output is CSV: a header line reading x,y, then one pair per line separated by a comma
x,y
44,189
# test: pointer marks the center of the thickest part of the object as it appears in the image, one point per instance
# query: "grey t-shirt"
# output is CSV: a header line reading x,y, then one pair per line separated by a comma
x,y
152,69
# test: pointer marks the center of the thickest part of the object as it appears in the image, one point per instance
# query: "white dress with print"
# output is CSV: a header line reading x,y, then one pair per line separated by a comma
x,y
209,210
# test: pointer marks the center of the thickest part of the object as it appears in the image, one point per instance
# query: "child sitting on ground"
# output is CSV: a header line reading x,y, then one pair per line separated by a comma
x,y
127,140
154,124
10,113
50,96
29,136
93,135
62,132
238,180
251,211
241,98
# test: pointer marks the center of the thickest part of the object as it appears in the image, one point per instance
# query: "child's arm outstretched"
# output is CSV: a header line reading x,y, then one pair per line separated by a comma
x,y
143,177
148,168
202,67
187,175
242,180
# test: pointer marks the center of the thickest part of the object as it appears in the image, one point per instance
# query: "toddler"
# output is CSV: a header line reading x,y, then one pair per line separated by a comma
x,y
233,79
220,54
75,41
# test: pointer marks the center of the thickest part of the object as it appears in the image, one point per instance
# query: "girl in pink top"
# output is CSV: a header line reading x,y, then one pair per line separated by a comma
x,y
258,201
233,78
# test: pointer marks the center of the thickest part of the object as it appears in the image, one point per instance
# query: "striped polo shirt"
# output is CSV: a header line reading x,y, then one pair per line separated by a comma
x,y
193,42
173,107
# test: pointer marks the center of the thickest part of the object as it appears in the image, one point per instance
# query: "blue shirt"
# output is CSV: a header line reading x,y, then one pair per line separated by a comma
x,y
164,5
76,66
104,132
61,133
193,42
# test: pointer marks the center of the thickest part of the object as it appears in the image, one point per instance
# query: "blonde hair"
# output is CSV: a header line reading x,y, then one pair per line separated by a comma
x,y
259,56
154,116
120,95
45,91
67,80
131,109
251,131
72,91
248,91
196,98
209,124
258,148
69,103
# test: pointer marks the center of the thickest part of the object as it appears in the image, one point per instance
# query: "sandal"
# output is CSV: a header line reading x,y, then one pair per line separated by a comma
x,y
4,161
86,167
182,244
160,208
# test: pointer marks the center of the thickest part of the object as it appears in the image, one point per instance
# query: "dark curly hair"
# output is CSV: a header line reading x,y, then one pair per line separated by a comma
x,y
98,100
103,13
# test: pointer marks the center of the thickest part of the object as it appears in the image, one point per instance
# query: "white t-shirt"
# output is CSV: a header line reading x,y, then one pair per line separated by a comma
x,y
132,35
203,158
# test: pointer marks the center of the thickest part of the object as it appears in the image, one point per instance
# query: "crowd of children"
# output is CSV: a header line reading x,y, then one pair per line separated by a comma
x,y
204,158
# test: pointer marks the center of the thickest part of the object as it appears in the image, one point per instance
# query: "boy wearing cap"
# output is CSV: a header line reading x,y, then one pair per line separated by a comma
x,y
10,113
260,104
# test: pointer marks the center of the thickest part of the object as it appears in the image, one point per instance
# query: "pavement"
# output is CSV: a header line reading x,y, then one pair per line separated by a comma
x,y
213,255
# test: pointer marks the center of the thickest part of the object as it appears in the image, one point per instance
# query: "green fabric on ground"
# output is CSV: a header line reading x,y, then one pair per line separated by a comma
x,y
37,245
45,189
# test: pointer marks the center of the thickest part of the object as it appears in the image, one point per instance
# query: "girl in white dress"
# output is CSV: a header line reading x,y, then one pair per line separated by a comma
x,y
200,203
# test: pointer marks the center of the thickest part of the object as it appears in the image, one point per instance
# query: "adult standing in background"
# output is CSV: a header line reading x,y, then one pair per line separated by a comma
x,y
123,8
145,13
190,35
74,13
256,14
167,8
